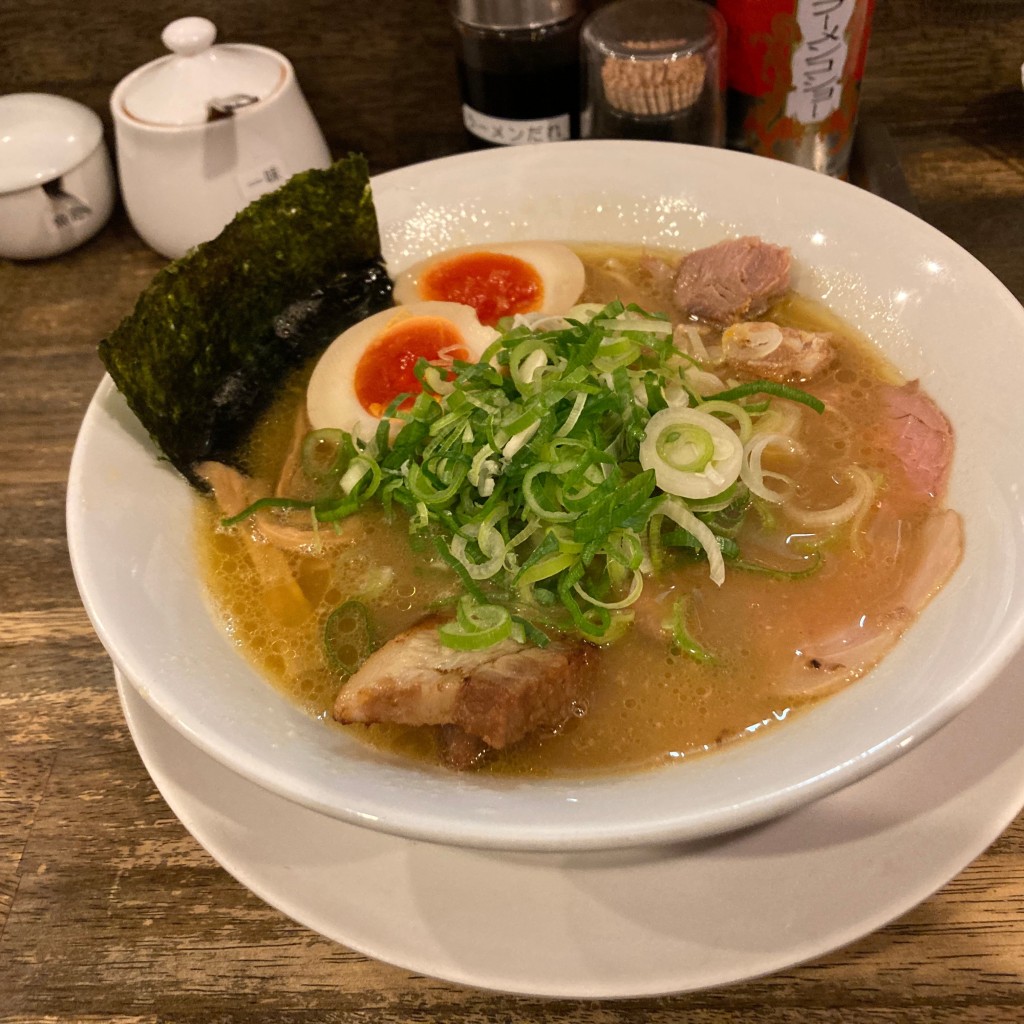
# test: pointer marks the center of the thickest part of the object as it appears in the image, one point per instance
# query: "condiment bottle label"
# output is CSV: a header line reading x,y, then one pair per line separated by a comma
x,y
504,131
819,59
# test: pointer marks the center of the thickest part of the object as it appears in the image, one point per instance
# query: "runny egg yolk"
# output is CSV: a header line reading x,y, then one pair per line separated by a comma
x,y
494,284
385,369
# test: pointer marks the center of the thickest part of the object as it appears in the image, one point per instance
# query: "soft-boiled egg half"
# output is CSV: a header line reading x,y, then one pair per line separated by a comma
x,y
366,367
498,280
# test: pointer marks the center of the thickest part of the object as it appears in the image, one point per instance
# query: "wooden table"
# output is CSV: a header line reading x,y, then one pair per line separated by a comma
x,y
109,910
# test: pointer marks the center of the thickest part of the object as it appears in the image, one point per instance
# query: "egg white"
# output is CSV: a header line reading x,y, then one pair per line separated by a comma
x,y
558,267
331,399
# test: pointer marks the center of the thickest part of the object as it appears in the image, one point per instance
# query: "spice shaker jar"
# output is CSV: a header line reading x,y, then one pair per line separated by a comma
x,y
518,67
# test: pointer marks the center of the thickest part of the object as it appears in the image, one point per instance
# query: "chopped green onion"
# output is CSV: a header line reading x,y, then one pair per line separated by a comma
x,y
476,626
692,453
685,447
682,516
815,563
325,454
543,474
265,503
624,323
630,598
681,638
770,387
348,637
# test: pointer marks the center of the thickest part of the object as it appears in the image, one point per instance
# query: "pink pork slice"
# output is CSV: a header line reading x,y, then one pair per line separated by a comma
x,y
733,280
498,695
922,436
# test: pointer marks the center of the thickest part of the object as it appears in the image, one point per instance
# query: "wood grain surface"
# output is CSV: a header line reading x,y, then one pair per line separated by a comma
x,y
109,910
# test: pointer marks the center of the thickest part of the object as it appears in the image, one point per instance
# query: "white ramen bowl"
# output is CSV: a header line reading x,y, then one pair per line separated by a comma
x,y
928,305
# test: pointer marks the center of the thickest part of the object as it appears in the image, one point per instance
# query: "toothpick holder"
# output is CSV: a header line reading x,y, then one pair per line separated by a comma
x,y
653,70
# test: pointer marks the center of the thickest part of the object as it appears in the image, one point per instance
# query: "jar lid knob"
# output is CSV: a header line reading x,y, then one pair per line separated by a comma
x,y
189,36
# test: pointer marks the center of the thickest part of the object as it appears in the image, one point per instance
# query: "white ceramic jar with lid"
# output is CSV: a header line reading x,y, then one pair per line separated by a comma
x,y
56,183
204,131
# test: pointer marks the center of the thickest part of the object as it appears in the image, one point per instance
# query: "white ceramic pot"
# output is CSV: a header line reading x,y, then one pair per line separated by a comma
x,y
56,183
204,131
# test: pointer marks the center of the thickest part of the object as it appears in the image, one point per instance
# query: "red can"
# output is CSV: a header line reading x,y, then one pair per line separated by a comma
x,y
794,70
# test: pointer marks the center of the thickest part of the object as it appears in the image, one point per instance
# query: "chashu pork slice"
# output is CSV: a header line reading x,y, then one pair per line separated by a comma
x,y
921,436
734,280
498,695
777,353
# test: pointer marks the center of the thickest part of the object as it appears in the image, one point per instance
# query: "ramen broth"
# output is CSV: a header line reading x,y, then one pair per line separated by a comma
x,y
644,703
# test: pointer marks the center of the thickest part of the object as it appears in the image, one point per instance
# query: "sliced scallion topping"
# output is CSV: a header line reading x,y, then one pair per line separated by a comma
x,y
545,475
682,639
476,626
348,637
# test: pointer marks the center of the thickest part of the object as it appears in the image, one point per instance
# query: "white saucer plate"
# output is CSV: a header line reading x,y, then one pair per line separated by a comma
x,y
640,922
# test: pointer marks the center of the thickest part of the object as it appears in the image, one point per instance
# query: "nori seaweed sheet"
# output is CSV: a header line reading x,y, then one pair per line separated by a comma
x,y
215,334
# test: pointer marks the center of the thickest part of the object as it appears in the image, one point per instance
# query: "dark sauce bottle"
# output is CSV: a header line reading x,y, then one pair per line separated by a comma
x,y
518,65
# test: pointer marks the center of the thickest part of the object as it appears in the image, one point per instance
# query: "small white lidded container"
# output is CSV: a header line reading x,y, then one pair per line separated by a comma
x,y
205,130
56,183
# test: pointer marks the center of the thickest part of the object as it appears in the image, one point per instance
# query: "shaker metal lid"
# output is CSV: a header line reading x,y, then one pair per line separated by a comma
x,y
199,80
511,14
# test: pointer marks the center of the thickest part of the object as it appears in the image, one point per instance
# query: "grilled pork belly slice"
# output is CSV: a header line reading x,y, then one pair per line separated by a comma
x,y
498,695
735,279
